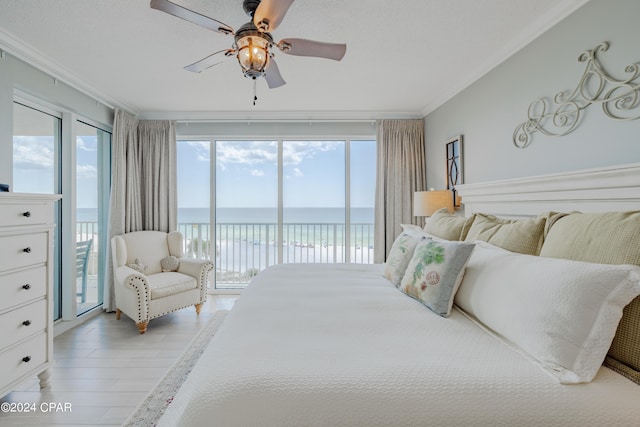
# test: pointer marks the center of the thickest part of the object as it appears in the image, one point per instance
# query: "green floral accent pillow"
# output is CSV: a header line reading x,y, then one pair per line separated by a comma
x,y
435,272
400,255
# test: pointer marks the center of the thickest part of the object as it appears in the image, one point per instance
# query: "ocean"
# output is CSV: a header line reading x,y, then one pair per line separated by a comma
x,y
257,215
246,237
270,215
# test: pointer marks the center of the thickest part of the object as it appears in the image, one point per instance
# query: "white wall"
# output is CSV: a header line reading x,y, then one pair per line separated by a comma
x,y
18,75
488,111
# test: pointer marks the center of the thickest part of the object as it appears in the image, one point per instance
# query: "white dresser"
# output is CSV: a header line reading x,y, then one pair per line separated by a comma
x,y
26,299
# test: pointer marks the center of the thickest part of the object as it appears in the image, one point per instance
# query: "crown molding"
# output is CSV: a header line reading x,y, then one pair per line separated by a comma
x,y
32,56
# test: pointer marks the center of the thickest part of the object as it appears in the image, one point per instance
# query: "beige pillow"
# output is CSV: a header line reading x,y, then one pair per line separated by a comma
x,y
448,226
608,238
524,236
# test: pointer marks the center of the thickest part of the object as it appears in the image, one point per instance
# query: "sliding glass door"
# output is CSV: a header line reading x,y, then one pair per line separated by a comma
x,y
37,136
274,202
39,158
246,210
313,188
92,191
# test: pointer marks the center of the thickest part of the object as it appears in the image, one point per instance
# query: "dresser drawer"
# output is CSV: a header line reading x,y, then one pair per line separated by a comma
x,y
22,250
19,360
25,214
20,323
22,286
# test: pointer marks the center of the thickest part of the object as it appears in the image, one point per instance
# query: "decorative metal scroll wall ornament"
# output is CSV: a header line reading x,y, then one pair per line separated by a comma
x,y
619,99
454,166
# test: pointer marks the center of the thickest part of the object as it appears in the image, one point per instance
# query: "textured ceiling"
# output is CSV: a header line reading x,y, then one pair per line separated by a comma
x,y
403,59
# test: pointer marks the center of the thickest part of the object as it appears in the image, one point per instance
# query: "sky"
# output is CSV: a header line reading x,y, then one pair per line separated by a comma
x,y
33,167
247,173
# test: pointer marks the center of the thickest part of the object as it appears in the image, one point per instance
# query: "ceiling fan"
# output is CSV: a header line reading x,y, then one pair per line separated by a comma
x,y
253,43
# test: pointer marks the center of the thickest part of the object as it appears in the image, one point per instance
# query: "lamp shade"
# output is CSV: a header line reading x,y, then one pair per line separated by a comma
x,y
425,203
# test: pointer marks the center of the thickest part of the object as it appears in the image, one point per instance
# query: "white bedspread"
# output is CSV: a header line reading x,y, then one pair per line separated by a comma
x,y
338,345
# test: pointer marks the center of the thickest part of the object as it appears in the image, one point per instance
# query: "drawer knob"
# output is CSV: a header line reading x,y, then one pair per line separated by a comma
x,y
27,214
26,359
26,287
26,322
27,250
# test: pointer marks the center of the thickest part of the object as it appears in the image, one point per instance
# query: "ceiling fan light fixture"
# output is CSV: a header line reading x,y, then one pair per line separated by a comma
x,y
253,55
253,43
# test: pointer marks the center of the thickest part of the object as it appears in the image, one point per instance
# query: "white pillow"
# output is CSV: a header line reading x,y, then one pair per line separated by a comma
x,y
563,313
416,231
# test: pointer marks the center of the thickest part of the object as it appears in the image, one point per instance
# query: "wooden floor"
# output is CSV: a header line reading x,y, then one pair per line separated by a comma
x,y
104,368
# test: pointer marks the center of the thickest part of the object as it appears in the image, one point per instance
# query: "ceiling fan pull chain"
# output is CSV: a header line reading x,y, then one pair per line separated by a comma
x,y
255,96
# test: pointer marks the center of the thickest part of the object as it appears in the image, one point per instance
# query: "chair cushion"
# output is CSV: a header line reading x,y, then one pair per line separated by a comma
x,y
170,283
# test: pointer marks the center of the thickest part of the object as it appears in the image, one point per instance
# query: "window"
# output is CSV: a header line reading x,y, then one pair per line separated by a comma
x,y
37,147
194,213
313,189
362,177
39,158
284,201
92,194
246,206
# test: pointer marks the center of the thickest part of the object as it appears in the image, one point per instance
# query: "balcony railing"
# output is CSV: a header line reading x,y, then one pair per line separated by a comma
x,y
242,250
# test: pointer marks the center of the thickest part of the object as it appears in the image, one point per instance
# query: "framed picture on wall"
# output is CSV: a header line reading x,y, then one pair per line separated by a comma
x,y
454,166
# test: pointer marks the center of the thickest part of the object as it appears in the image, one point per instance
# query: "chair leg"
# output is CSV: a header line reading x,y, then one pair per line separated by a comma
x,y
198,308
118,314
142,327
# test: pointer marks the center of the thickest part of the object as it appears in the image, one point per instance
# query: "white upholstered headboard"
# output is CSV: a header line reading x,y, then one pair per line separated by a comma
x,y
611,188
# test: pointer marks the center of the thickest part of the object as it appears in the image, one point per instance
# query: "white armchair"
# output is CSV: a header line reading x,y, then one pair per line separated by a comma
x,y
152,292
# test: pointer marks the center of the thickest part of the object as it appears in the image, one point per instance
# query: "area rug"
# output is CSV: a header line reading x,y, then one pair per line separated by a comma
x,y
148,413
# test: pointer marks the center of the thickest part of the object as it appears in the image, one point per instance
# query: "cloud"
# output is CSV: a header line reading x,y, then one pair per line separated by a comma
x,y
87,143
201,148
86,171
246,153
296,173
266,152
33,152
253,154
295,152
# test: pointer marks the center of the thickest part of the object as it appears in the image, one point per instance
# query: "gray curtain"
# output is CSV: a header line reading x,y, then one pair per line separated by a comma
x,y
401,171
157,160
143,182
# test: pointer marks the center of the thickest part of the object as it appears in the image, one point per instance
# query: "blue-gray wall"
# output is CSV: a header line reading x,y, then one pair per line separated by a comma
x,y
488,111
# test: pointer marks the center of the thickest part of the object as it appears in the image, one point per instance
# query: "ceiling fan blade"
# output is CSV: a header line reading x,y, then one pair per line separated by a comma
x,y
209,61
272,75
304,47
191,16
270,14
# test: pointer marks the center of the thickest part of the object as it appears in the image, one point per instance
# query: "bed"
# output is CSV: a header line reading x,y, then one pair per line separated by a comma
x,y
340,345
